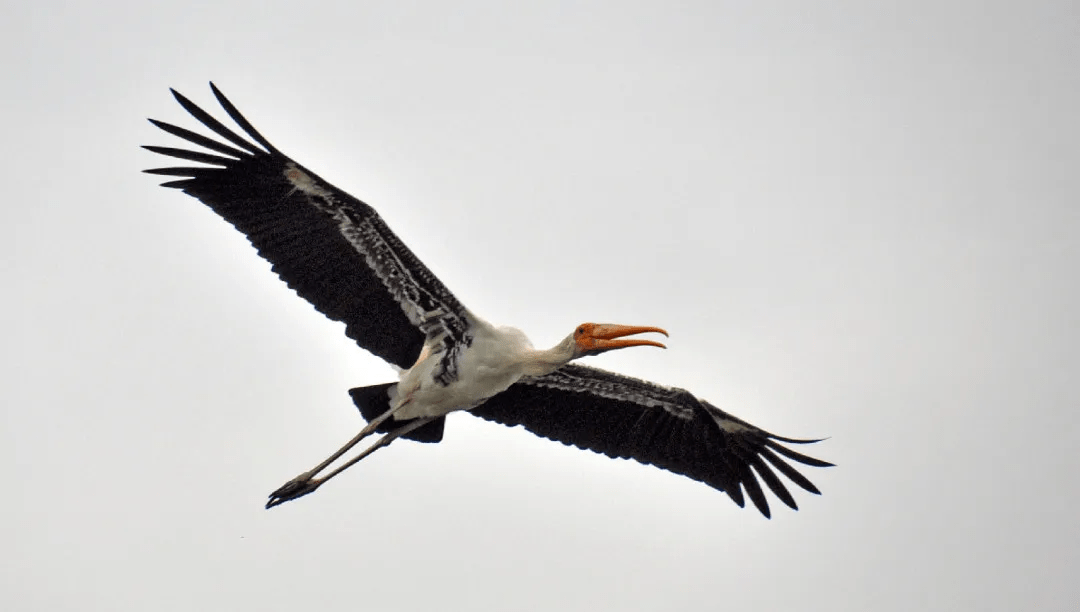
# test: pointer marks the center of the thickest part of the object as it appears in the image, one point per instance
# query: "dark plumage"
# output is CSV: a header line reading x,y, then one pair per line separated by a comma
x,y
665,427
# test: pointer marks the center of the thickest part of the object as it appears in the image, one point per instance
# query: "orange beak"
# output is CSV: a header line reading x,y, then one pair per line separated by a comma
x,y
593,338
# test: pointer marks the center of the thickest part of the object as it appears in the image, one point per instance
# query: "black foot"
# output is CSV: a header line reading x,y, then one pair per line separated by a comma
x,y
291,490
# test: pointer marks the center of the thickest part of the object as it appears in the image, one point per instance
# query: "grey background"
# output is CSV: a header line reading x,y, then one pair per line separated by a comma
x,y
857,219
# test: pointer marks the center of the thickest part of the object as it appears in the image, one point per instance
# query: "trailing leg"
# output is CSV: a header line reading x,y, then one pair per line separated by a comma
x,y
307,483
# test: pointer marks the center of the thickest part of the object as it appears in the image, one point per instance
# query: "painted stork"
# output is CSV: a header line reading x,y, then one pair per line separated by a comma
x,y
337,253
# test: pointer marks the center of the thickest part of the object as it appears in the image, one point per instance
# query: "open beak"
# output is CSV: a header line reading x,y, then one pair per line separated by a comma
x,y
593,338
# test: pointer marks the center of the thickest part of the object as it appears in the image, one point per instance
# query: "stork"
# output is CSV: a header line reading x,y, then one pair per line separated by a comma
x,y
336,252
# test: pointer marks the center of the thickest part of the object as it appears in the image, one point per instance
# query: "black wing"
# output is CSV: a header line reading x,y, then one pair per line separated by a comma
x,y
623,417
332,249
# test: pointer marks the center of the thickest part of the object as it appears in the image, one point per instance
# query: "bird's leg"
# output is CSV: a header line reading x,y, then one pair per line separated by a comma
x,y
304,483
307,483
380,443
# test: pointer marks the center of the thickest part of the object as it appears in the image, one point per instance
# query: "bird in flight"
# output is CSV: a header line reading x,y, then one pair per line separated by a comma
x,y
337,253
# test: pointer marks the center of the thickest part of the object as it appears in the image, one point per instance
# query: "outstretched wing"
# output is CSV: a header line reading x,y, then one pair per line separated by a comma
x,y
331,248
623,417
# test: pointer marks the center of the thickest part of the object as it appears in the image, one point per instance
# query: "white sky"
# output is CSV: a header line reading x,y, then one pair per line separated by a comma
x,y
857,219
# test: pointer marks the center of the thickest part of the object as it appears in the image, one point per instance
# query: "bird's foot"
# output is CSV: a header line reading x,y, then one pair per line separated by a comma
x,y
297,487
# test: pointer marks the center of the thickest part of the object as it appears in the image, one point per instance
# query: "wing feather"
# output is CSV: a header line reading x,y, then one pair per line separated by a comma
x,y
194,156
792,474
197,139
206,119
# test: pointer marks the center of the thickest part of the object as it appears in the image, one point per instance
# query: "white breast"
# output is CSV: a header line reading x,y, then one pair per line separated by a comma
x,y
489,366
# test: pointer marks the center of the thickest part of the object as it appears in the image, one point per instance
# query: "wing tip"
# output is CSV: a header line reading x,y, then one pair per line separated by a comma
x,y
799,457
761,456
796,440
181,98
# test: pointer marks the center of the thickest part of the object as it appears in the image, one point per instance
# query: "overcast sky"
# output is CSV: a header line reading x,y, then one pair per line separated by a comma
x,y
857,220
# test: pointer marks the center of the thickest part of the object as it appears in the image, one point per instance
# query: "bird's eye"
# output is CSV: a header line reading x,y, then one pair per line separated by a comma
x,y
580,330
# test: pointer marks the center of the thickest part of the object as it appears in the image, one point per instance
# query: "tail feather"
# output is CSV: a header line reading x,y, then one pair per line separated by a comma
x,y
374,400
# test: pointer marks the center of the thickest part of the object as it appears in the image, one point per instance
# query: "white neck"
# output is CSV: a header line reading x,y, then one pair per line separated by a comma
x,y
539,363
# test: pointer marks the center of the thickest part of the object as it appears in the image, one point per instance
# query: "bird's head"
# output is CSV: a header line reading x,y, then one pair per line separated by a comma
x,y
595,338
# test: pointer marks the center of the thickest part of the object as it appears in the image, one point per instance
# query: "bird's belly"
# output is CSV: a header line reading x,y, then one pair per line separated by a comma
x,y
482,375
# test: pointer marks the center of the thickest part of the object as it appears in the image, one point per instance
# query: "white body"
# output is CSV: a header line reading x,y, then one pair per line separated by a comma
x,y
497,358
